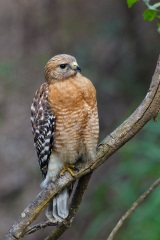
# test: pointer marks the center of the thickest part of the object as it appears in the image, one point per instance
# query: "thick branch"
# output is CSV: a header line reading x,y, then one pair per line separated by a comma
x,y
77,198
132,209
147,110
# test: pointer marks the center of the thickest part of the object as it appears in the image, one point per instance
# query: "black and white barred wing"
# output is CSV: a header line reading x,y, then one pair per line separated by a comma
x,y
43,121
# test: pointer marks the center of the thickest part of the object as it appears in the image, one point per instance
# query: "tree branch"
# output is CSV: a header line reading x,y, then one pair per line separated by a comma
x,y
132,209
77,198
39,226
148,109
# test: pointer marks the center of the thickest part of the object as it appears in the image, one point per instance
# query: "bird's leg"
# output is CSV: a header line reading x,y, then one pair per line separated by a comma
x,y
68,167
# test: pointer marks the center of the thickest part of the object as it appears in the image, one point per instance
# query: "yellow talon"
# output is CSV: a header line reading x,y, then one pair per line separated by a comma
x,y
68,167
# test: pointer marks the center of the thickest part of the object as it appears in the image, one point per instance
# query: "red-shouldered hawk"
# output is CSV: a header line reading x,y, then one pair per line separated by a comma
x,y
65,125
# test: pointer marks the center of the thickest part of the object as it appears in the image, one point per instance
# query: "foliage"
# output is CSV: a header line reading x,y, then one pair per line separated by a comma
x,y
123,184
151,13
131,2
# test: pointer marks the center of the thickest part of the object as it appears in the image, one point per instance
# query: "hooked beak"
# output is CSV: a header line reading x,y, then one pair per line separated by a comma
x,y
75,66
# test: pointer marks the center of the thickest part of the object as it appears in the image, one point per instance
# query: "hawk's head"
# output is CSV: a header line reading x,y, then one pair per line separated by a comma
x,y
61,67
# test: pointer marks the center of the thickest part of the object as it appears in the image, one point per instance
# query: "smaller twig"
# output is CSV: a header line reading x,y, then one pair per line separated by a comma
x,y
39,226
76,200
132,208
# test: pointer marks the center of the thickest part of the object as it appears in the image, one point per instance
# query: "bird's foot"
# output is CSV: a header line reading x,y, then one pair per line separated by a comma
x,y
68,167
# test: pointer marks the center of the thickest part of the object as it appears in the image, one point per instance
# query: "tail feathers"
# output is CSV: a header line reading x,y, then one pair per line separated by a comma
x,y
58,208
62,203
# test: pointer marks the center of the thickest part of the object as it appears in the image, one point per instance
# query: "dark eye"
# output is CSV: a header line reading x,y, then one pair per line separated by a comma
x,y
63,66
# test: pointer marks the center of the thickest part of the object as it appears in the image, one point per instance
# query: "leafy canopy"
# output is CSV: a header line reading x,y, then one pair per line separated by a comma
x,y
151,13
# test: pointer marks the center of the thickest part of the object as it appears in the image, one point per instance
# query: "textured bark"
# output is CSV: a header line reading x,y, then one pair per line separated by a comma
x,y
149,108
77,198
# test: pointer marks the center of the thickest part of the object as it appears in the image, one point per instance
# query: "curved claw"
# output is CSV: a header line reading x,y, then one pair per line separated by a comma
x,y
68,167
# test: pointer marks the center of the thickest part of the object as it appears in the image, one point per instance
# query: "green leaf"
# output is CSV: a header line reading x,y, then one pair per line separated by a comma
x,y
130,3
149,15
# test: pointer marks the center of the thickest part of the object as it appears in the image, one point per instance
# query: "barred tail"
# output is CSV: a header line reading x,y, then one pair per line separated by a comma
x,y
58,208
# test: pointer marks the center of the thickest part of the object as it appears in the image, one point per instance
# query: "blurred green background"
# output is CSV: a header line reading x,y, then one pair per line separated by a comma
x,y
118,51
